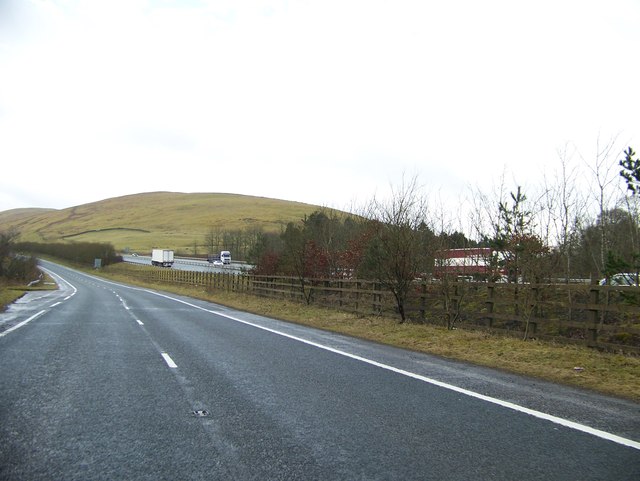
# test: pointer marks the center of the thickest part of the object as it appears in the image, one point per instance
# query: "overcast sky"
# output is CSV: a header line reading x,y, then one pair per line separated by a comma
x,y
326,102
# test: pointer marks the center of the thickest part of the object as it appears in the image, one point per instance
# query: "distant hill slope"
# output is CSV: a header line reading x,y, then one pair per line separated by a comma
x,y
157,219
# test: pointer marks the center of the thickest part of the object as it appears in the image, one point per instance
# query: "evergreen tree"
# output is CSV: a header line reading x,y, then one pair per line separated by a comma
x,y
631,171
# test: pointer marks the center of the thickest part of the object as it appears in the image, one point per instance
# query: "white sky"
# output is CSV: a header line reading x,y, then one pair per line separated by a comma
x,y
319,101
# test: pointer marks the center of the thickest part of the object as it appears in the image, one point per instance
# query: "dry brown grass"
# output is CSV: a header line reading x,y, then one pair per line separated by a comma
x,y
9,294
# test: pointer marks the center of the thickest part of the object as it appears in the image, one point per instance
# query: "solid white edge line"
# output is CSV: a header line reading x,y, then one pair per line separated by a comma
x,y
168,360
506,404
20,324
53,274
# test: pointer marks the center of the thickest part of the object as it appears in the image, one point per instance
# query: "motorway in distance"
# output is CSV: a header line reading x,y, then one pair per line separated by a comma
x,y
103,381
190,264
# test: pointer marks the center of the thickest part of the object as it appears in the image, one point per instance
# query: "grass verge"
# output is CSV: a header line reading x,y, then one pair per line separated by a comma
x,y
10,293
608,373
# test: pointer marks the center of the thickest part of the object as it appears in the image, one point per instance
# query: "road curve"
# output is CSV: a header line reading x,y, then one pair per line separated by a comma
x,y
106,381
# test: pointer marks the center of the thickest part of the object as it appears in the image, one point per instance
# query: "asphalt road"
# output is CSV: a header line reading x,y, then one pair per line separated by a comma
x,y
104,381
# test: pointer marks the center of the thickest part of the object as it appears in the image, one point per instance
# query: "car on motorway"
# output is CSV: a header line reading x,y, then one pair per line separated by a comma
x,y
218,263
621,279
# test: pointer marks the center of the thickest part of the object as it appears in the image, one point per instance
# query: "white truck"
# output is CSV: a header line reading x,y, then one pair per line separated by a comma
x,y
162,257
224,257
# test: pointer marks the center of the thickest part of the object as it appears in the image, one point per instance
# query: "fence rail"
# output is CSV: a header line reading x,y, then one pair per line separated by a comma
x,y
603,317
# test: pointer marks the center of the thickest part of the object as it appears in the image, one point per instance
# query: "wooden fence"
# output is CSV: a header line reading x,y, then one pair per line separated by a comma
x,y
603,317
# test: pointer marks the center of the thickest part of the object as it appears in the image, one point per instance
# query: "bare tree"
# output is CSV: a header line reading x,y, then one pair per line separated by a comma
x,y
212,240
604,175
566,208
395,255
483,214
450,284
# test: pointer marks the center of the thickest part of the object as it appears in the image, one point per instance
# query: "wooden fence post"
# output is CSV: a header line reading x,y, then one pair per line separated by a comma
x,y
593,313
490,302
455,301
544,315
377,295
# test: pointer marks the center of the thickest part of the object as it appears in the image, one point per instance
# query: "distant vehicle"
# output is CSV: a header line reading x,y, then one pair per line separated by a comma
x,y
218,263
134,255
162,257
621,279
224,257
465,278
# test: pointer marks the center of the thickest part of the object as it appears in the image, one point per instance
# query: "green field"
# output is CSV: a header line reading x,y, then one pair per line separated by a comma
x,y
159,219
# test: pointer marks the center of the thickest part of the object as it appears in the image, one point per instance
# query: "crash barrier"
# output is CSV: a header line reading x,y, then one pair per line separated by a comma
x,y
604,317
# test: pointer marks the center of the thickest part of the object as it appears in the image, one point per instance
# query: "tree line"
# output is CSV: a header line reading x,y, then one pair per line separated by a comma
x,y
84,253
559,233
580,224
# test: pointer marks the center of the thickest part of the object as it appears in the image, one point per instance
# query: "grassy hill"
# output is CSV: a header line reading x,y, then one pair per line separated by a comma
x,y
158,219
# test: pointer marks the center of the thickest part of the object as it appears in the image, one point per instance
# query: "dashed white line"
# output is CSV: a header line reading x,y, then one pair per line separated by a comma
x,y
506,404
140,322
168,360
